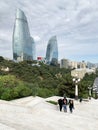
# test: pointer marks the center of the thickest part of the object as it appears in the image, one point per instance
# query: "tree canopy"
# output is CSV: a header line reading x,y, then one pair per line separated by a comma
x,y
26,78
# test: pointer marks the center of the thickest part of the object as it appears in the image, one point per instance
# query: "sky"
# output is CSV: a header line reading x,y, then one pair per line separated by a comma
x,y
74,22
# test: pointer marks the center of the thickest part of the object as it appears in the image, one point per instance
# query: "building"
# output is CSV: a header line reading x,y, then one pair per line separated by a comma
x,y
33,49
91,65
81,72
65,63
73,64
41,59
52,52
81,65
22,41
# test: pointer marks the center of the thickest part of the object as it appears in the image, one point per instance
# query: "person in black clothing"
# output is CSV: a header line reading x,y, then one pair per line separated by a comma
x,y
71,105
60,102
80,99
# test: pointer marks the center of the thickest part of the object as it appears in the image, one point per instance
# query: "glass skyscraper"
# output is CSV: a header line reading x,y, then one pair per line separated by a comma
x,y
22,43
52,51
33,49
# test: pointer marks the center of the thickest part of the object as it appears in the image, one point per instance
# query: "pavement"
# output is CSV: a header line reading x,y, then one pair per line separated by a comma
x,y
34,113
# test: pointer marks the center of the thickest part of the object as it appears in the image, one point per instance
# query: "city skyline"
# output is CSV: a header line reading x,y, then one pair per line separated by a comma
x,y
75,23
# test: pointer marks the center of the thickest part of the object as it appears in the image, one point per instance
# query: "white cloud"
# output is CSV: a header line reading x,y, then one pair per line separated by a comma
x,y
36,38
75,22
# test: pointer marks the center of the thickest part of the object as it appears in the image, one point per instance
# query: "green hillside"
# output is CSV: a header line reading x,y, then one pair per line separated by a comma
x,y
25,79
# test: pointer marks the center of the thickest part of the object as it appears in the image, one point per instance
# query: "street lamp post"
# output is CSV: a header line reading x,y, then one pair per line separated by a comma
x,y
76,80
90,88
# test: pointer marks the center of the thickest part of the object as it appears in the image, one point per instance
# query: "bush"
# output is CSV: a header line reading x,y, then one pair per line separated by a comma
x,y
53,102
7,95
44,92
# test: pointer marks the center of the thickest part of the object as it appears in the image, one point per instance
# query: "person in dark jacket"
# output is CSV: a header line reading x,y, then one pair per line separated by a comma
x,y
71,105
80,100
60,102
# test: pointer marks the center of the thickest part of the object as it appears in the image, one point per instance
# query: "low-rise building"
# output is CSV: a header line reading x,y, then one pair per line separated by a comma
x,y
81,72
65,63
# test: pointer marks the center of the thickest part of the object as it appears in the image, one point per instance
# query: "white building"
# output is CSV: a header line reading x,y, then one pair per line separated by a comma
x,y
81,72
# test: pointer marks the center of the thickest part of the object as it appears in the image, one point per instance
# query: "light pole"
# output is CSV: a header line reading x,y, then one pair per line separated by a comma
x,y
90,88
76,80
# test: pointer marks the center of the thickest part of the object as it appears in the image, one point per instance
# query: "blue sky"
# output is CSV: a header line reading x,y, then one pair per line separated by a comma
x,y
74,22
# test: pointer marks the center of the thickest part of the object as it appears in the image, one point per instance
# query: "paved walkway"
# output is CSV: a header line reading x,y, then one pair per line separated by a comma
x,y
34,113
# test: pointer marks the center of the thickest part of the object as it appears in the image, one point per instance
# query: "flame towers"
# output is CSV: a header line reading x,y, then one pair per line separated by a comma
x,y
24,45
33,49
52,51
22,41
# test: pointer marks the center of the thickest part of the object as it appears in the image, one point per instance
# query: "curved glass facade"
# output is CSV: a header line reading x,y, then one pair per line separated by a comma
x,y
52,51
22,46
33,49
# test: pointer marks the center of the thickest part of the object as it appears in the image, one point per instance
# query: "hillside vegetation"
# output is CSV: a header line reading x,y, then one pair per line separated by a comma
x,y
25,79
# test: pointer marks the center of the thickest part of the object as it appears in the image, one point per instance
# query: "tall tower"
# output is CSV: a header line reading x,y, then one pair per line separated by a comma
x,y
52,51
22,47
33,49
